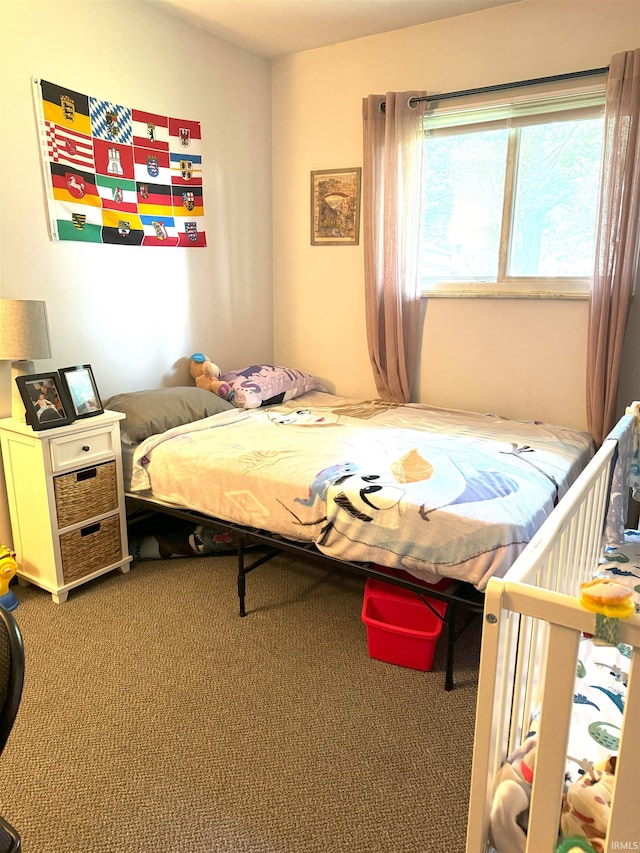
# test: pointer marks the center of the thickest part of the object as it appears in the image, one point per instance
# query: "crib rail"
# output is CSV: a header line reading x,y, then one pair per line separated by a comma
x,y
532,628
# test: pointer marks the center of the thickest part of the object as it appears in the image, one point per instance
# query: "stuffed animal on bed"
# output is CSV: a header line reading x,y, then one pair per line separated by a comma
x,y
511,798
207,374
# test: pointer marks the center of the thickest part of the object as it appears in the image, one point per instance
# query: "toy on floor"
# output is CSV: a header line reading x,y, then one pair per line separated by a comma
x,y
8,568
207,374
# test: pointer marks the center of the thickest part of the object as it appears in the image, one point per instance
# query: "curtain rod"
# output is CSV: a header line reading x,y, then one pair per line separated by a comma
x,y
499,87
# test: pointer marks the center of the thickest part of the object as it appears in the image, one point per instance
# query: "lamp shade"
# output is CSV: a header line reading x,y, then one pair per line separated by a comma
x,y
24,331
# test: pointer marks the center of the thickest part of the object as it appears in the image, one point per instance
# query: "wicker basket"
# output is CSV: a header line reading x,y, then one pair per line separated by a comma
x,y
85,494
87,549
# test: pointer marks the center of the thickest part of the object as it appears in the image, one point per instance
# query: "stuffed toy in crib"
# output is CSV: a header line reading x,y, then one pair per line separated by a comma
x,y
585,810
587,806
511,798
207,374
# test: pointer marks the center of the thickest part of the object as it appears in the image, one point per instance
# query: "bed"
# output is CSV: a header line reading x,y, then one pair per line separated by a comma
x,y
412,494
432,492
557,738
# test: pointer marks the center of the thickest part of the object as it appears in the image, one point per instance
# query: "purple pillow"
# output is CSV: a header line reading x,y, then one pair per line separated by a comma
x,y
267,384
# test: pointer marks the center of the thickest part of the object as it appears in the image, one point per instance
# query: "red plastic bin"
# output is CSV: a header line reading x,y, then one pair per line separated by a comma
x,y
401,629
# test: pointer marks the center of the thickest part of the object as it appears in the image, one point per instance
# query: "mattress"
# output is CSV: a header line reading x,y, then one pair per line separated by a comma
x,y
435,492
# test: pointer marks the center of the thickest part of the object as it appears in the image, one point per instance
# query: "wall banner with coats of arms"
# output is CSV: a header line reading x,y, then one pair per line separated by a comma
x,y
114,174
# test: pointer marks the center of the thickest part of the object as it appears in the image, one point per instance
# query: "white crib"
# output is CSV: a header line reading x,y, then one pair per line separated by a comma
x,y
533,624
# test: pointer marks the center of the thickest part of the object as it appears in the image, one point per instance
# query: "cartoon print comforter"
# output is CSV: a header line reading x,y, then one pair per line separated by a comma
x,y
435,492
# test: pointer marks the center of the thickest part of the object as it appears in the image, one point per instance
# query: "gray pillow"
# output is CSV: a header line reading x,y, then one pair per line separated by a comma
x,y
152,412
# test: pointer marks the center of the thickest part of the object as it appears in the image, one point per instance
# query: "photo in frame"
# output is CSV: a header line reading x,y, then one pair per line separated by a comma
x,y
335,207
45,400
82,391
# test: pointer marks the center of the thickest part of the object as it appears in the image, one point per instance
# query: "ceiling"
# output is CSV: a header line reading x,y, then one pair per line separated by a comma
x,y
274,28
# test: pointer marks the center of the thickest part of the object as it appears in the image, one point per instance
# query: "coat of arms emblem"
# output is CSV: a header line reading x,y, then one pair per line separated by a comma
x,y
186,169
188,200
68,107
75,185
113,128
191,230
160,229
69,147
153,167
114,166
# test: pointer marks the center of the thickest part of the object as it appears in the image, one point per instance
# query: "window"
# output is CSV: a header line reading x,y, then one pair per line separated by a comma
x,y
510,196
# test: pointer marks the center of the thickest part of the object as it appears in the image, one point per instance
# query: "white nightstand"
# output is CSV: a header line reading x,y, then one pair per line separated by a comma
x,y
66,501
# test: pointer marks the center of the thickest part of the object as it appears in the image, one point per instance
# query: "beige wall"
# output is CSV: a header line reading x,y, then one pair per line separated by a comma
x,y
136,314
522,358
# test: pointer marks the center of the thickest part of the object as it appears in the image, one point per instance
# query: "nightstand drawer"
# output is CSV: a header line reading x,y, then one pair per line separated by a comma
x,y
86,493
81,449
91,548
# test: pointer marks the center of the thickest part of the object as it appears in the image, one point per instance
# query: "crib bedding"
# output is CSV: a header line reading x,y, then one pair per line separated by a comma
x,y
601,679
602,672
621,563
435,492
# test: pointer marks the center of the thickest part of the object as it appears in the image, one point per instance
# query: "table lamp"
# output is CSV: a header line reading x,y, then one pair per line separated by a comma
x,y
24,335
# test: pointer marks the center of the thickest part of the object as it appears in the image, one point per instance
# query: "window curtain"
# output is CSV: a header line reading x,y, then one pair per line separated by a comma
x,y
391,207
617,242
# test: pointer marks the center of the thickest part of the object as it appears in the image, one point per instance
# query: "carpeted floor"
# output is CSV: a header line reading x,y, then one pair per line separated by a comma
x,y
154,719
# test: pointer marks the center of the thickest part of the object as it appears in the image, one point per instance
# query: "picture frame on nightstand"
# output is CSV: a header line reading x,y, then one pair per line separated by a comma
x,y
82,391
45,400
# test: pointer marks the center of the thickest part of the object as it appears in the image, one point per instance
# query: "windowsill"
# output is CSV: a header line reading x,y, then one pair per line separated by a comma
x,y
503,294
521,290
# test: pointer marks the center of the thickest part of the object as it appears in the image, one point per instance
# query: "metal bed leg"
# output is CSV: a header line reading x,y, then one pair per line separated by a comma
x,y
450,621
241,576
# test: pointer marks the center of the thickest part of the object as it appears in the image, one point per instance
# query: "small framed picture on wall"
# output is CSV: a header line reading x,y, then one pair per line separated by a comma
x,y
335,207
81,388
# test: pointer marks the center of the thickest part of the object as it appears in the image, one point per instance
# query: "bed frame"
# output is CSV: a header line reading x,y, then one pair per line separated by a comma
x,y
533,623
256,547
